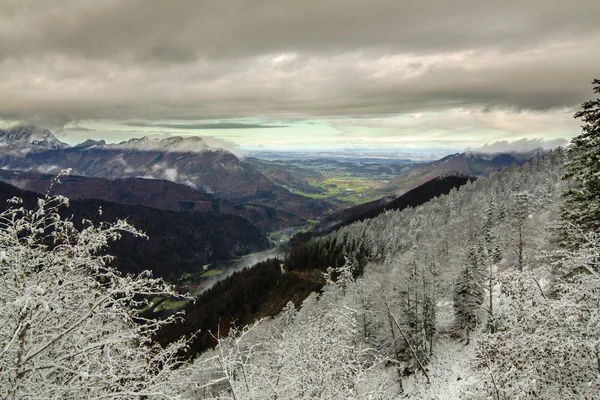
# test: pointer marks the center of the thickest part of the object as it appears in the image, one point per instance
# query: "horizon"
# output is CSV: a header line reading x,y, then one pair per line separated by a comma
x,y
419,154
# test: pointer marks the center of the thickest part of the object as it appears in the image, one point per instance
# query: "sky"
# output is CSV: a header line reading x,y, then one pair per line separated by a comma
x,y
310,74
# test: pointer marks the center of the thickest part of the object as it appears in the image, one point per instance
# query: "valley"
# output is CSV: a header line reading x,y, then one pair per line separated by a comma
x,y
299,200
282,195
204,277
295,234
344,182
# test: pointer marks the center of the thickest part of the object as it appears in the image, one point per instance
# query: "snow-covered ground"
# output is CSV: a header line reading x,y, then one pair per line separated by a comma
x,y
450,369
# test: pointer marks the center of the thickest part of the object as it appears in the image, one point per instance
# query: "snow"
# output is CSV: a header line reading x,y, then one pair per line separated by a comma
x,y
450,368
29,136
175,144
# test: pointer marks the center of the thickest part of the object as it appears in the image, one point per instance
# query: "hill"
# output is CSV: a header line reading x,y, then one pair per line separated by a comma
x,y
178,241
156,193
415,197
467,163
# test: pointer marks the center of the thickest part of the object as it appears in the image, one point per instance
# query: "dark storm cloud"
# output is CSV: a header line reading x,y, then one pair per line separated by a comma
x,y
216,125
183,59
181,30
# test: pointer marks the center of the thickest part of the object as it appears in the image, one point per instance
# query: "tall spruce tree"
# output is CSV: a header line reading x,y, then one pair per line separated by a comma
x,y
582,199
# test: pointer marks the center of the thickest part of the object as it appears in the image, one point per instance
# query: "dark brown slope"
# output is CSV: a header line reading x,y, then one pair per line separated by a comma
x,y
161,194
178,241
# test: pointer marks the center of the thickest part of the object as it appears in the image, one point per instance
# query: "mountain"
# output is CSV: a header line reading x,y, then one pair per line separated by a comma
x,y
413,198
90,143
179,242
161,194
467,163
30,137
288,175
189,161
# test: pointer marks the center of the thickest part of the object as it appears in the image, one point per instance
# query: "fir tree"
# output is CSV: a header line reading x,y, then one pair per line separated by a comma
x,y
520,212
582,199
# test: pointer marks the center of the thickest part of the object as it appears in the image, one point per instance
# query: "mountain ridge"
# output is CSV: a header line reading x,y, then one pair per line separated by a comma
x,y
160,194
178,242
32,137
189,161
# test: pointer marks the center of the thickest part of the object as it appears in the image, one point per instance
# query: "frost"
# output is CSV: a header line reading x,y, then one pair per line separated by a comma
x,y
69,323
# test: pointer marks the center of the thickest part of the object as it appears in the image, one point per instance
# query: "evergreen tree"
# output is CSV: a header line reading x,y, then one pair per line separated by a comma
x,y
520,212
582,199
468,294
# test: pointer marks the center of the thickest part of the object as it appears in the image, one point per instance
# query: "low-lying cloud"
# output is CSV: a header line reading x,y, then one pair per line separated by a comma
x,y
520,146
202,126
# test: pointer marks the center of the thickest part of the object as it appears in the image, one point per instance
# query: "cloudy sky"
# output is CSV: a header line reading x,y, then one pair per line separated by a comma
x,y
300,74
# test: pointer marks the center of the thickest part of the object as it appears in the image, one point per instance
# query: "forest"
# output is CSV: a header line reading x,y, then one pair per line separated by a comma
x,y
491,291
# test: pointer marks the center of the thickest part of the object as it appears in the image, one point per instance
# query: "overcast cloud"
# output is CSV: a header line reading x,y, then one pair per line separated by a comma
x,y
163,63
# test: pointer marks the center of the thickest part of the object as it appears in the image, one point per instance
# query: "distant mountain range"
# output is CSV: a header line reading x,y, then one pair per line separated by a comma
x,y
186,174
187,161
467,163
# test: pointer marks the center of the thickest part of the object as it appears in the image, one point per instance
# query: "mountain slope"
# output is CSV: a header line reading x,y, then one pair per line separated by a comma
x,y
187,161
178,241
468,163
415,197
30,137
161,194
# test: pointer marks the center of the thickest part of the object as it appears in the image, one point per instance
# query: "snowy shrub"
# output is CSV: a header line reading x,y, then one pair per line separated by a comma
x,y
548,345
71,325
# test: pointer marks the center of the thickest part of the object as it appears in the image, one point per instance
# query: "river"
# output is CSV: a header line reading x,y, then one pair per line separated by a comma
x,y
202,280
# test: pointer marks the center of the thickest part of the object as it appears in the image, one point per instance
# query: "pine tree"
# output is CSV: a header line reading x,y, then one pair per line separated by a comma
x,y
582,199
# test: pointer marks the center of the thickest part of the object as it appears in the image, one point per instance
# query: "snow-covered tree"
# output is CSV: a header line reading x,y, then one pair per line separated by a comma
x,y
313,353
582,199
71,326
520,212
468,293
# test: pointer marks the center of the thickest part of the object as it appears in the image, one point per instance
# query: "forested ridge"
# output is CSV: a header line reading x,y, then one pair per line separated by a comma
x,y
427,275
177,241
489,292
264,289
413,198
247,295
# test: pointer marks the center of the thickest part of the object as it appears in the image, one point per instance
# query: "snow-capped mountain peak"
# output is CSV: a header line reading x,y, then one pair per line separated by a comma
x,y
90,143
31,137
176,144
